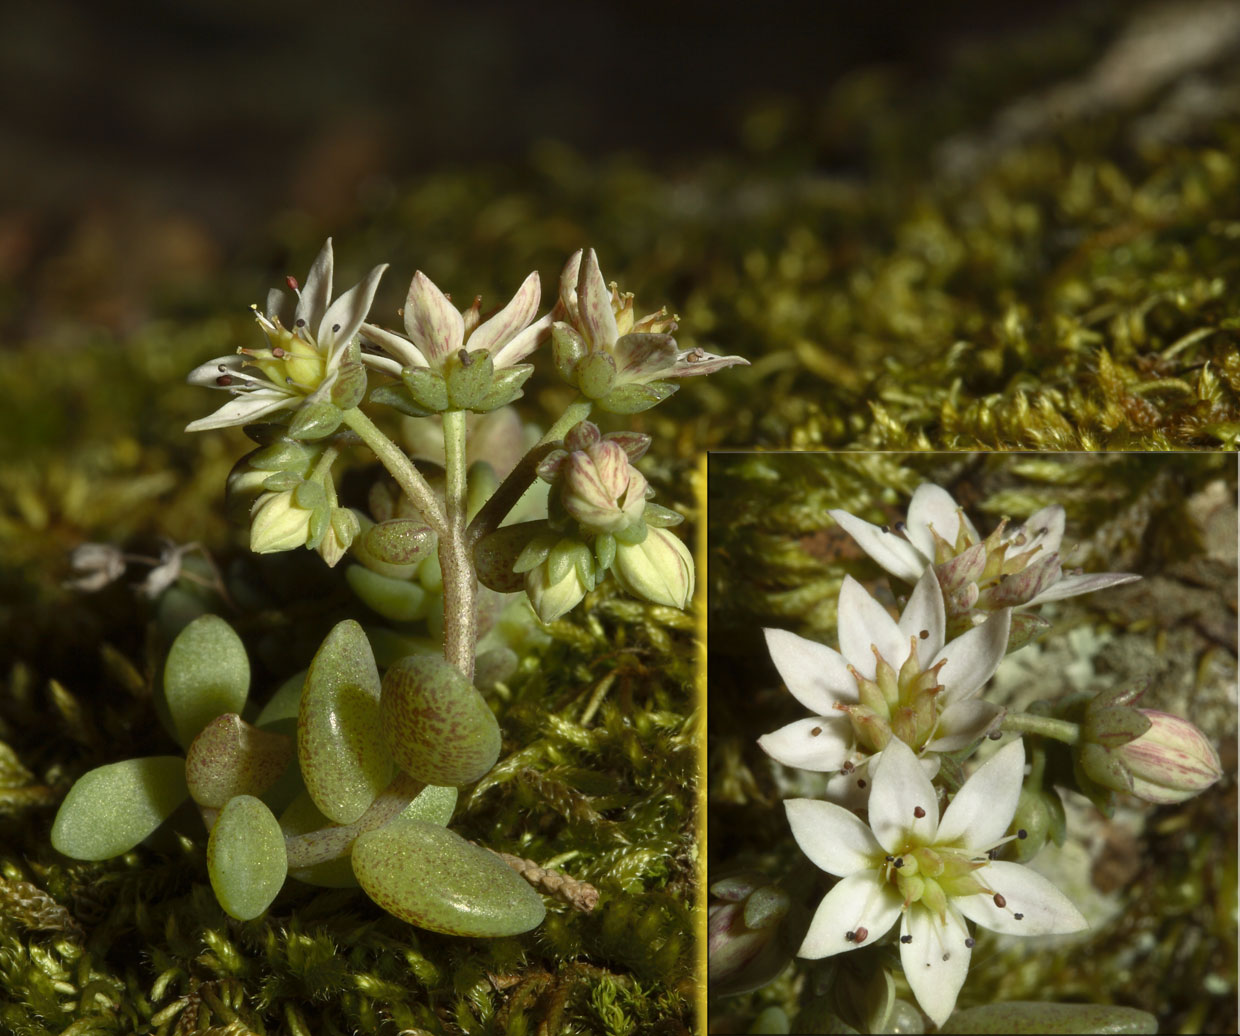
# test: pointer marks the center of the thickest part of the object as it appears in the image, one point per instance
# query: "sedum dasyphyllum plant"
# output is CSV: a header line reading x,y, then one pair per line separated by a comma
x,y
349,775
921,847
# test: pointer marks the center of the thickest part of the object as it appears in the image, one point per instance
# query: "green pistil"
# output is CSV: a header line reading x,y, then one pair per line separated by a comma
x,y
900,703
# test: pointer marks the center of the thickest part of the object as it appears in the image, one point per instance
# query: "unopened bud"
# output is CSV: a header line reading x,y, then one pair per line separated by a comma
x,y
602,490
744,950
659,569
278,523
557,583
1170,762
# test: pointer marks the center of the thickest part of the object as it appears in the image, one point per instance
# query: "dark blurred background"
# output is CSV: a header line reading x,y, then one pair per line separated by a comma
x,y
145,146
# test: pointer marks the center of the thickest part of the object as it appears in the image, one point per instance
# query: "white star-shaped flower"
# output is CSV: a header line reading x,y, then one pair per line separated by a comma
x,y
932,873
889,678
1006,569
303,358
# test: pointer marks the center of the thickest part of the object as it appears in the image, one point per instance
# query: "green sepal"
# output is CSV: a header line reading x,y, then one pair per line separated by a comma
x,y
320,522
1114,726
595,375
633,534
315,421
506,387
431,877
1032,1016
567,349
112,808
427,388
398,398
265,432
661,517
535,551
634,398
566,555
349,389
283,455
282,480
207,674
605,550
397,599
1025,628
401,541
469,378
438,728
246,859
310,495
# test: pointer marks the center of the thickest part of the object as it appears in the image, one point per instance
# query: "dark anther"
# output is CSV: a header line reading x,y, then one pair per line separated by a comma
x,y
335,328
994,735
224,380
947,956
850,936
970,942
860,935
889,858
815,732
924,634
1000,901
993,854
861,784
464,356
277,352
1019,917
1022,833
301,322
900,527
222,367
847,767
899,862
918,812
885,528
906,939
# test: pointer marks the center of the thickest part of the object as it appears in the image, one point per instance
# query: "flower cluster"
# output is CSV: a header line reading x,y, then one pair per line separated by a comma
x,y
900,693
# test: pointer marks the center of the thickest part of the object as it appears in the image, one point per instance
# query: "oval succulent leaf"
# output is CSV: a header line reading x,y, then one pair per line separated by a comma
x,y
395,599
430,877
112,808
400,541
1030,1016
245,858
230,757
496,555
340,743
206,675
438,727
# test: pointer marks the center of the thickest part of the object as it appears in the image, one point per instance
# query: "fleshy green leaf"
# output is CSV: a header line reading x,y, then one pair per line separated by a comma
x,y
206,675
315,420
246,858
340,744
438,727
401,541
229,757
1028,1016
428,876
395,599
112,808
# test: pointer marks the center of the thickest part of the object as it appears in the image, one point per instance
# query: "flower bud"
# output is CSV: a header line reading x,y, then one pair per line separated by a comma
x,y
341,533
278,523
744,950
1170,762
602,490
557,583
658,570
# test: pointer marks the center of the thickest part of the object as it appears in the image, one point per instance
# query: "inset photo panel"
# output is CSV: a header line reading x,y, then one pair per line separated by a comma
x,y
971,742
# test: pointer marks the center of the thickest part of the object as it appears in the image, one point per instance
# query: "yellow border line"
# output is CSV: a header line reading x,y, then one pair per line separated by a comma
x,y
700,597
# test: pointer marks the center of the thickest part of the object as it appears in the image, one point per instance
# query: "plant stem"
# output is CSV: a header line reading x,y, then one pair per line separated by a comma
x,y
331,843
1042,726
578,410
505,498
401,468
460,584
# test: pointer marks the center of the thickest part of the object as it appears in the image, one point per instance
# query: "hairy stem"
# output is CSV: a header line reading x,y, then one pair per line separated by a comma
x,y
1042,726
401,468
577,411
460,583
331,843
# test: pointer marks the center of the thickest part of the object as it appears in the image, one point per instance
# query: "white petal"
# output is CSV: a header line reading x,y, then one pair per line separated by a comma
x,y
851,790
864,622
1044,528
936,960
973,657
858,901
980,813
925,613
594,311
895,554
501,328
243,409
964,722
569,277
834,839
316,292
1043,908
816,675
433,324
406,353
798,746
521,345
902,789
205,375
933,505
384,364
1071,586
345,315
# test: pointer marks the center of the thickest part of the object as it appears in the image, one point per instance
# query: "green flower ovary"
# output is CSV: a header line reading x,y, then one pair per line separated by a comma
x,y
290,361
899,703
931,875
998,564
